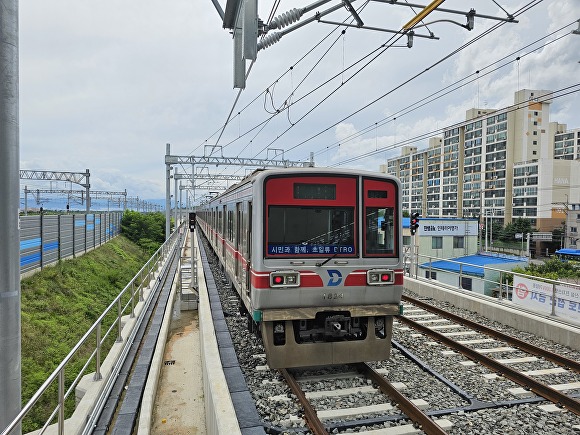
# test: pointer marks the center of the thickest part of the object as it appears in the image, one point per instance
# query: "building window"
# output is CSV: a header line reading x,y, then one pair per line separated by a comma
x,y
535,132
535,142
436,242
432,274
465,283
458,242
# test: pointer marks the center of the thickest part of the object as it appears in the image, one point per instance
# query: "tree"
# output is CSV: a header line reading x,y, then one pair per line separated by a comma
x,y
145,229
520,225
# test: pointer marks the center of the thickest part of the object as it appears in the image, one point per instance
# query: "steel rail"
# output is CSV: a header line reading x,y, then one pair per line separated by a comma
x,y
527,347
538,388
309,412
426,423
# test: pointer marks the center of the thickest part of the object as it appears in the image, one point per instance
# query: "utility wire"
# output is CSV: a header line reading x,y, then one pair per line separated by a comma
x,y
452,87
381,50
568,91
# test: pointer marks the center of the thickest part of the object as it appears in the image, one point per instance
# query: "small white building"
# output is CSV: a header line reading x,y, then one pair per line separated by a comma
x,y
478,273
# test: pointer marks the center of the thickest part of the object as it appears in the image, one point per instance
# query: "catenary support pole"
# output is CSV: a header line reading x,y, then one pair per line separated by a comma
x,y
175,172
88,189
10,358
167,194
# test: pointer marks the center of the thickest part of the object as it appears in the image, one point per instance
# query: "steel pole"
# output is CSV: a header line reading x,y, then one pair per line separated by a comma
x,y
10,339
175,172
88,188
167,194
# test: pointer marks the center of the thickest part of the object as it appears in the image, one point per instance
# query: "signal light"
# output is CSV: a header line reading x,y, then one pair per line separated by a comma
x,y
380,277
414,226
285,278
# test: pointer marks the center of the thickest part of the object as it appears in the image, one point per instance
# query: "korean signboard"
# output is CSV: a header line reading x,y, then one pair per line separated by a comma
x,y
448,228
537,295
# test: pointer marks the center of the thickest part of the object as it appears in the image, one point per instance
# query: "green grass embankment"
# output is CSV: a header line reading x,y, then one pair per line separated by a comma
x,y
59,305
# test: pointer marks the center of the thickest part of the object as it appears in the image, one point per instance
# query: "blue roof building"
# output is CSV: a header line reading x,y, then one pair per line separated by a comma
x,y
479,273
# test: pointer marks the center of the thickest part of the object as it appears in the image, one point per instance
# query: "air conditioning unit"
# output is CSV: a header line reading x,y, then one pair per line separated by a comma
x,y
526,173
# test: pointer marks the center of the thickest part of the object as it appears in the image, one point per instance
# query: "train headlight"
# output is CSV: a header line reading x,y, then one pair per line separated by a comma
x,y
380,277
285,278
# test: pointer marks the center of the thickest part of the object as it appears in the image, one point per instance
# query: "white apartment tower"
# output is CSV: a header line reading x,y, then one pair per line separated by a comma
x,y
501,163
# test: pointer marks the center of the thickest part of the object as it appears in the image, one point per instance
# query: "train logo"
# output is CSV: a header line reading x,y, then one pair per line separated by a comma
x,y
335,278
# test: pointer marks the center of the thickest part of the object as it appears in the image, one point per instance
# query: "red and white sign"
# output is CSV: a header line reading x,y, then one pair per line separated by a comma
x,y
538,295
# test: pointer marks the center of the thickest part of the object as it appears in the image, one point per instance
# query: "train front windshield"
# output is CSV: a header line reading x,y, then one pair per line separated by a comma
x,y
310,230
321,216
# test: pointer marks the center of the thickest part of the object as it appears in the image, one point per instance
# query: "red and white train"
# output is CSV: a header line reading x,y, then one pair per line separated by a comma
x,y
316,257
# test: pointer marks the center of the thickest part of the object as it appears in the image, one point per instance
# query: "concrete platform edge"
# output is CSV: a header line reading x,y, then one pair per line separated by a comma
x,y
220,415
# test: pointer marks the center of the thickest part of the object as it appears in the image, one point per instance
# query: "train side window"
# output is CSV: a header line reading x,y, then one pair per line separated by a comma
x,y
230,225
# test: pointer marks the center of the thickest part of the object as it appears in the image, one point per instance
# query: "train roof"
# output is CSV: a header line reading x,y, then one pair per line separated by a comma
x,y
264,172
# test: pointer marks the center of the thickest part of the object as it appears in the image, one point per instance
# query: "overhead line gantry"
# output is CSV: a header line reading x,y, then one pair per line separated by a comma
x,y
71,193
214,160
80,178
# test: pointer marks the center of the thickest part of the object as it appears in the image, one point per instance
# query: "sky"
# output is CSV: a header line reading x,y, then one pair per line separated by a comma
x,y
106,85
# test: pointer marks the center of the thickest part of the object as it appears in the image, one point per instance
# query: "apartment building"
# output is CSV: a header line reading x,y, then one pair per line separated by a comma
x,y
500,163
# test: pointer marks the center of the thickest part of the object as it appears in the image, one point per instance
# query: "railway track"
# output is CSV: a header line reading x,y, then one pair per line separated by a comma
x,y
458,394
480,343
394,399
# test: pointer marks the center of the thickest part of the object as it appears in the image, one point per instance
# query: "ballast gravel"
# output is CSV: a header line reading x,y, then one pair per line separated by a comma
x,y
280,412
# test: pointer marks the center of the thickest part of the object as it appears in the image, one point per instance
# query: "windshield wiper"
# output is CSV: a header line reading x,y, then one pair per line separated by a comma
x,y
328,259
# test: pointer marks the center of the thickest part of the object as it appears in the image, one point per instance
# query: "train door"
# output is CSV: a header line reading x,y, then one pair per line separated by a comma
x,y
248,230
237,244
218,228
223,231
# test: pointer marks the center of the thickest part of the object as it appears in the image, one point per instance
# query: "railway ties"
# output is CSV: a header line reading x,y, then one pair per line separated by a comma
x,y
350,416
508,358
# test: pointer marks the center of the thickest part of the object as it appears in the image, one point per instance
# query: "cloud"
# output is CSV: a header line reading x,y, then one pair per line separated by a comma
x,y
106,85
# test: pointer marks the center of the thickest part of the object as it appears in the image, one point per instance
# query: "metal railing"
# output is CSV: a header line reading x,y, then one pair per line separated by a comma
x,y
133,291
551,294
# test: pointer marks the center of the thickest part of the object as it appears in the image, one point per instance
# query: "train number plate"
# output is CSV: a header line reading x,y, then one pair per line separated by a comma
x,y
332,295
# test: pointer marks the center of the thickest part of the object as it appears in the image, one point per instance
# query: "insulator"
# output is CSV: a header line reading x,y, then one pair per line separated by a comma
x,y
286,19
268,40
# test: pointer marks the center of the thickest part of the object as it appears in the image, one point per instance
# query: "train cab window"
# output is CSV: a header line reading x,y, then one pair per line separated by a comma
x,y
379,231
311,230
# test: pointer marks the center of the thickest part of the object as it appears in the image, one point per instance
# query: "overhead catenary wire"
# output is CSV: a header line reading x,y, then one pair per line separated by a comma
x,y
575,88
296,63
450,88
381,50
262,125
